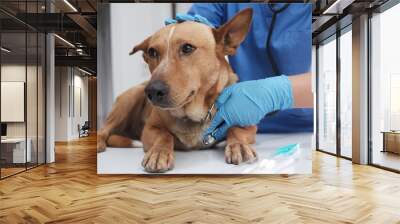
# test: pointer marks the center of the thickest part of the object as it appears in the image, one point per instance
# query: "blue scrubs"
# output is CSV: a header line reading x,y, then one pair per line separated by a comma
x,y
290,45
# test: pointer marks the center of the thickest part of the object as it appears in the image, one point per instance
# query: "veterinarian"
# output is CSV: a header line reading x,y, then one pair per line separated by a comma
x,y
273,64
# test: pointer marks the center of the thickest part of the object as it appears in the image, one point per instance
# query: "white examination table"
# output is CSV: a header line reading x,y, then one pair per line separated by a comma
x,y
212,161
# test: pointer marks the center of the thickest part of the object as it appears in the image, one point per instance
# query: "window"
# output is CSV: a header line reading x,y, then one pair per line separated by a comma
x,y
327,96
22,79
346,92
329,112
14,151
385,89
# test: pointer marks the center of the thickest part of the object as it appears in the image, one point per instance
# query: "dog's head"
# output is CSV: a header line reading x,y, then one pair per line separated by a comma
x,y
185,58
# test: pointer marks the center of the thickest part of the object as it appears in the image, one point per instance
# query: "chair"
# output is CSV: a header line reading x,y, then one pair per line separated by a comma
x,y
84,130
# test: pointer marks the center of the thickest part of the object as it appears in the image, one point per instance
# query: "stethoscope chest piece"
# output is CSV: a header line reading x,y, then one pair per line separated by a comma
x,y
209,139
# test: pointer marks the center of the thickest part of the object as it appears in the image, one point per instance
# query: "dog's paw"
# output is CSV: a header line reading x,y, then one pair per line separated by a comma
x,y
237,153
158,160
101,144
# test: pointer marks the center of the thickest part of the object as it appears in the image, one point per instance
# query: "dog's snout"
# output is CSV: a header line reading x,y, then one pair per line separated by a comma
x,y
157,91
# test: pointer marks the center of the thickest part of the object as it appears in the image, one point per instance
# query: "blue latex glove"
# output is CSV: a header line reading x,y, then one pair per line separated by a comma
x,y
246,103
186,17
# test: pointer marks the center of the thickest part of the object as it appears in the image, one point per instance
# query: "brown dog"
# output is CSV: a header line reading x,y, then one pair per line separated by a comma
x,y
189,70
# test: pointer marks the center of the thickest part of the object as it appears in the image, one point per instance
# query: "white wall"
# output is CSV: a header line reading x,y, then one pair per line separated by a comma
x,y
183,7
61,103
121,27
79,117
16,72
130,25
70,83
33,126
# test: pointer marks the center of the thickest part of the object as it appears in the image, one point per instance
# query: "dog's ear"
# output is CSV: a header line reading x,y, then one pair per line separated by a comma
x,y
141,47
232,33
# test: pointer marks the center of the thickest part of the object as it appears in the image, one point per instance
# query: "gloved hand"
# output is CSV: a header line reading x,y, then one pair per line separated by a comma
x,y
246,103
187,17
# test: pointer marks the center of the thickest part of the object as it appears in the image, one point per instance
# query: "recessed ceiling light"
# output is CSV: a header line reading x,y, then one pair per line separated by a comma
x,y
5,50
70,5
84,71
65,41
337,7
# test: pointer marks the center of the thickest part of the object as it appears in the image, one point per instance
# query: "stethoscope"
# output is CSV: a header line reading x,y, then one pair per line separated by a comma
x,y
210,138
275,12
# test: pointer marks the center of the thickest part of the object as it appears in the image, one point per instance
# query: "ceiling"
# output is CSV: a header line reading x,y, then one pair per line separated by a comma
x,y
331,15
76,22
72,20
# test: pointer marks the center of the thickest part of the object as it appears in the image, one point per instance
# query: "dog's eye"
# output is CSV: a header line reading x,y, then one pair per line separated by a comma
x,y
152,52
187,48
